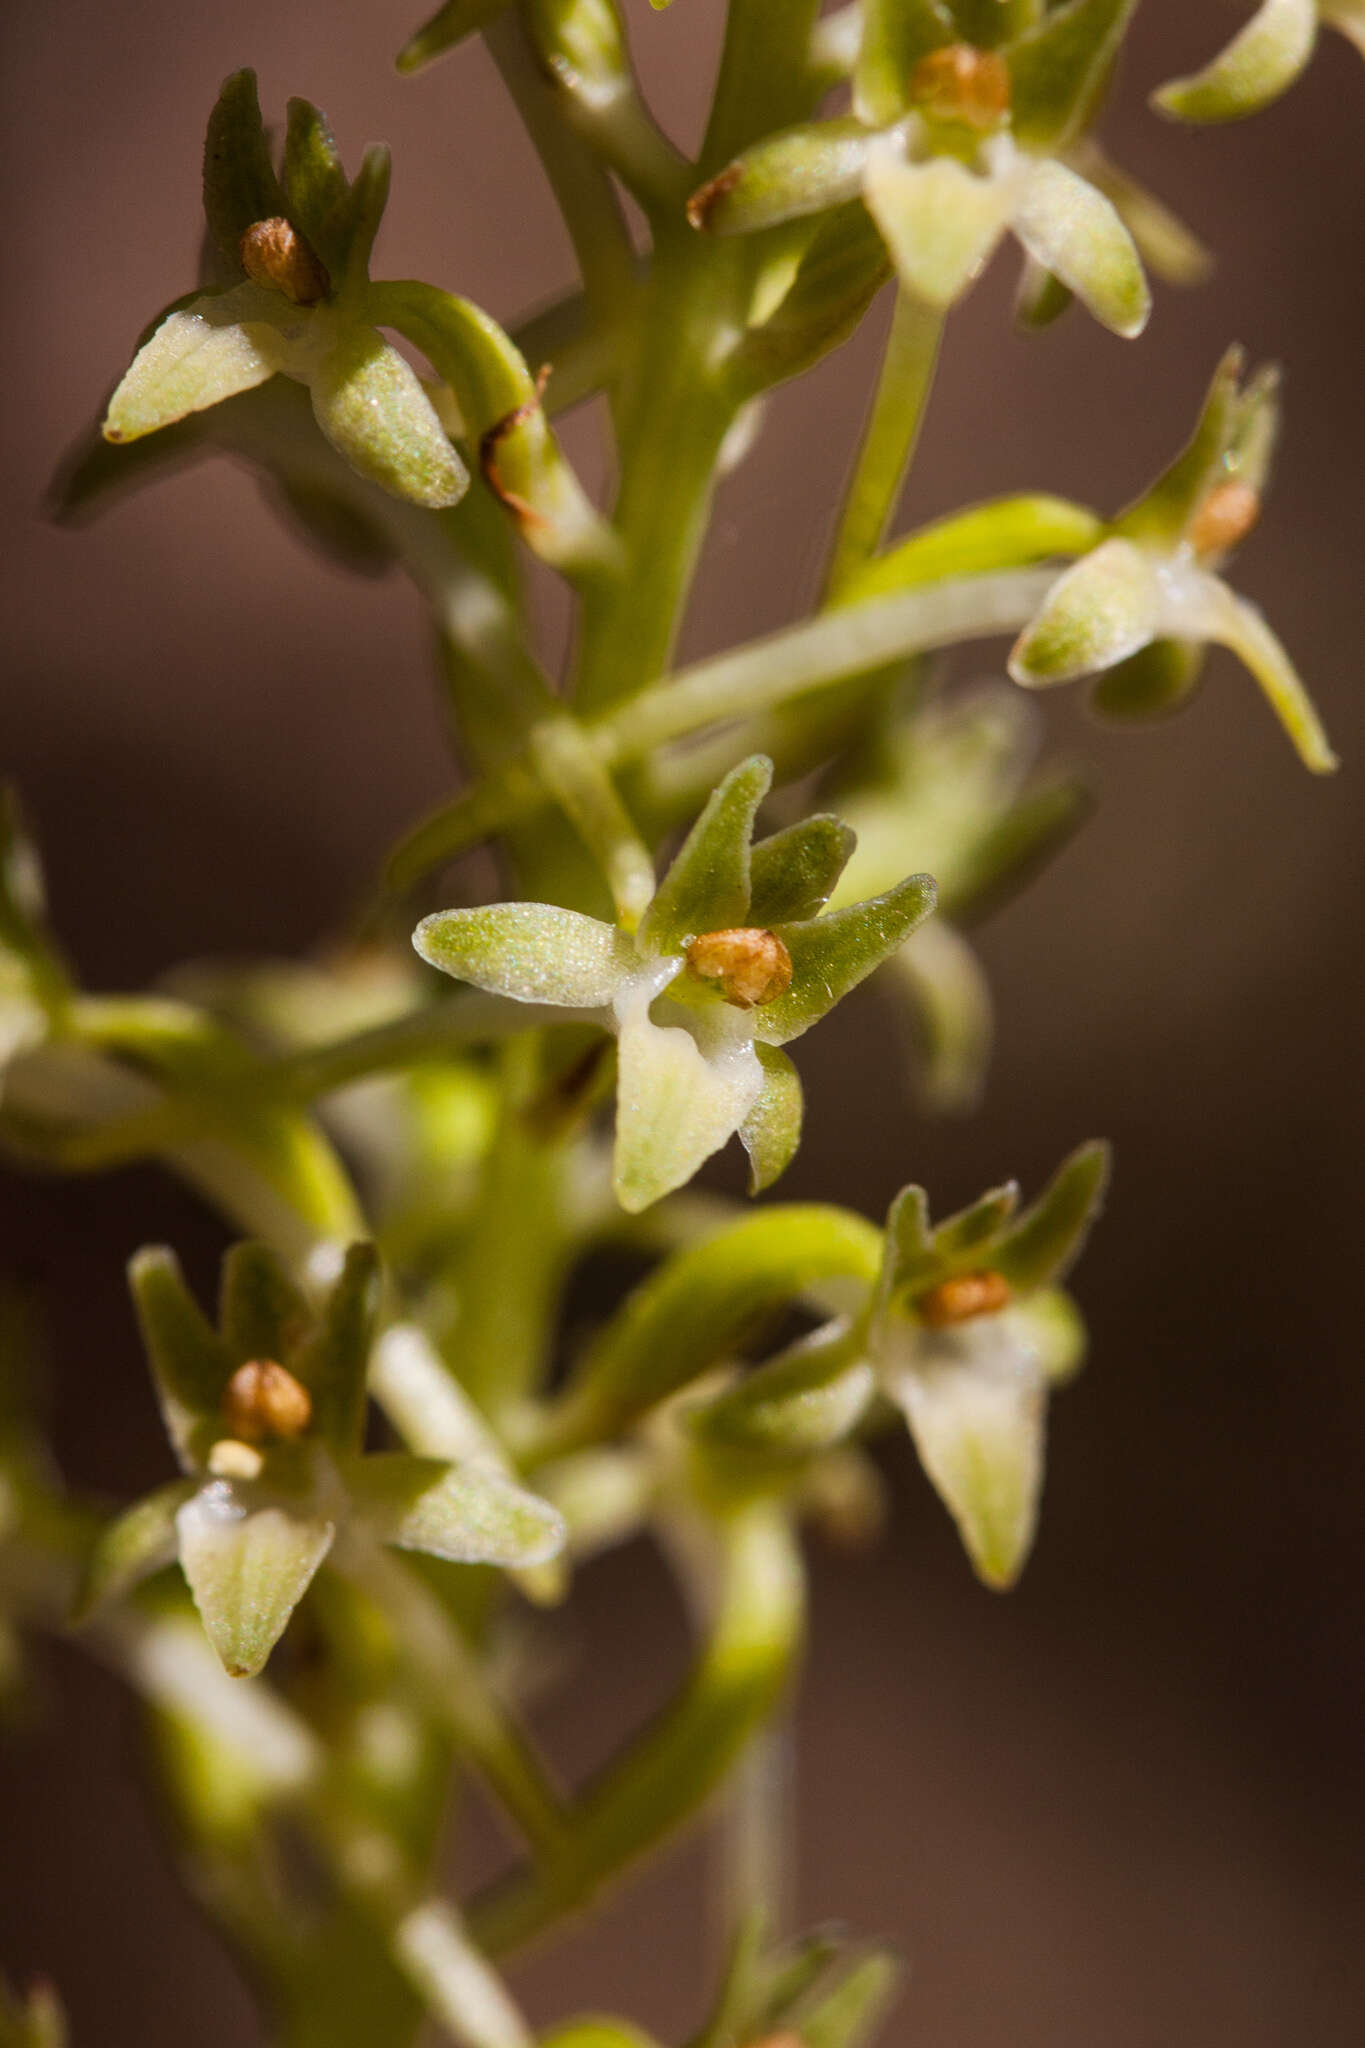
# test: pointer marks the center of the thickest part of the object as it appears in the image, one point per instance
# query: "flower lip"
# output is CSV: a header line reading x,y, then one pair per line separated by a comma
x,y
747,964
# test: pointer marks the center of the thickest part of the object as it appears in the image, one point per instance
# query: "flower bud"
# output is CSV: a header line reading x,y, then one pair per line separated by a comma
x,y
262,1400
275,254
748,965
1226,516
962,83
964,1296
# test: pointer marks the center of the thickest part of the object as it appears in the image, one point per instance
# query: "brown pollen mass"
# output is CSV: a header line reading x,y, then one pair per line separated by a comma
x,y
749,966
275,254
1226,516
263,1399
964,1296
962,83
705,197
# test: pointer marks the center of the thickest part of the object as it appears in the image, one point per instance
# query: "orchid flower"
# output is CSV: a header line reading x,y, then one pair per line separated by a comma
x,y
730,961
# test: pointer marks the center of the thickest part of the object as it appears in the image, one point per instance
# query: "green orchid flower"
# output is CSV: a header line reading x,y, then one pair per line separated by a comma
x,y
730,961
951,145
969,1334
266,1416
1262,61
1140,608
296,300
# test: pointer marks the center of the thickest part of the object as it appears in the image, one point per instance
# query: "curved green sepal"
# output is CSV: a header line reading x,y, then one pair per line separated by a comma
x,y
896,34
851,2012
1098,613
447,27
333,1360
1060,67
1002,533
1043,1243
841,272
261,1313
1165,509
802,170
1071,229
140,1541
190,1363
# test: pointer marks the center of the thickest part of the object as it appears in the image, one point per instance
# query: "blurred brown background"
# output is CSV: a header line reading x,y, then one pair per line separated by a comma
x,y
1124,1806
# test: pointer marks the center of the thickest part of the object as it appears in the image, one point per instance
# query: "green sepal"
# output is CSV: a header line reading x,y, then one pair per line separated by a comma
x,y
261,1313
792,873
706,888
1166,507
960,1241
896,34
447,27
190,1363
368,198
1060,67
1042,1244
1262,61
140,1541
1255,428
1069,226
460,1512
240,185
248,1561
1098,613
316,186
839,275
771,1132
850,2014
799,1403
333,1360
832,954
369,402
530,952
213,349
801,170
1002,533
1152,683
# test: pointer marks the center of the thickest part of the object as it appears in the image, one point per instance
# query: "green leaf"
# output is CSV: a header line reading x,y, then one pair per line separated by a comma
x,y
191,1365
1096,614
334,1360
1260,63
1155,681
938,219
801,170
369,402
447,27
216,347
240,186
792,873
140,1541
771,1132
896,34
1166,508
463,1513
532,952
316,186
1047,1238
248,1562
261,1312
706,888
797,1404
974,1398
677,1100
832,954
1059,68
1069,227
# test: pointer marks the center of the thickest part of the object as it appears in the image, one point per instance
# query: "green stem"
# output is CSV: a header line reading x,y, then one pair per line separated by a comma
x,y
667,1776
888,443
